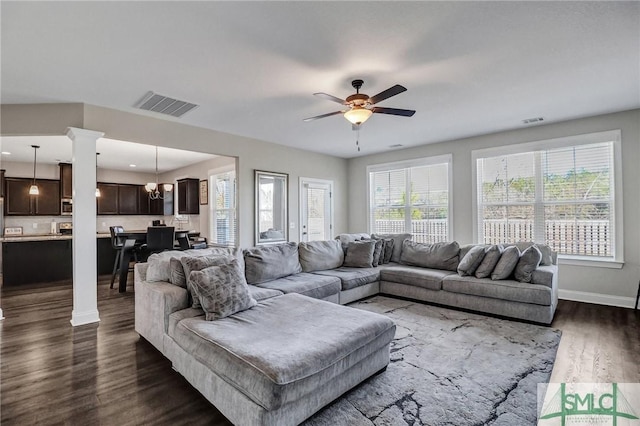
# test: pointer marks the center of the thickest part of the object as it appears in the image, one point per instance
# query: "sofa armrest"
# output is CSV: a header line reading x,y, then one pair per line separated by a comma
x,y
545,275
154,302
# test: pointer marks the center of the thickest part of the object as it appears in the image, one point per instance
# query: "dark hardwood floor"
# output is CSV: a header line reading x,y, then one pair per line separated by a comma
x,y
105,374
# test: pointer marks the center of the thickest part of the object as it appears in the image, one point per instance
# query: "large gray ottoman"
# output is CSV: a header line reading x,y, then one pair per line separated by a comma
x,y
284,359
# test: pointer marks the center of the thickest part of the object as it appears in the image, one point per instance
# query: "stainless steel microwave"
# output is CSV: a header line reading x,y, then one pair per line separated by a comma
x,y
66,207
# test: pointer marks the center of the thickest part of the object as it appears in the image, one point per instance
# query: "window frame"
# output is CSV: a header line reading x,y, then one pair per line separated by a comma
x,y
615,136
405,164
212,204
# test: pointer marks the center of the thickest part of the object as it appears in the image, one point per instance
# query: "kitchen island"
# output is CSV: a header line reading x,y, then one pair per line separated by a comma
x,y
29,259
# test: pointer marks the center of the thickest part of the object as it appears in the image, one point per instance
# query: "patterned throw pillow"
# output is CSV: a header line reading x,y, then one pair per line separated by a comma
x,y
222,290
388,249
176,274
471,261
506,264
529,261
491,257
360,254
190,264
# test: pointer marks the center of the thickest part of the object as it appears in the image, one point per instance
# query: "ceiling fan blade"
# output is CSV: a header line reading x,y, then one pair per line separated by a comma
x,y
330,98
322,116
394,111
391,91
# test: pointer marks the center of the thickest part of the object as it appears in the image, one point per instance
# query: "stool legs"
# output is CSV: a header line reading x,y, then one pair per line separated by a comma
x,y
116,266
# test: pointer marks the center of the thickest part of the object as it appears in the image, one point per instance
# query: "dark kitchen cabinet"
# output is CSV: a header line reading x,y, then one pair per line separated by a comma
x,y
162,206
144,203
188,202
108,199
2,182
127,199
18,202
66,180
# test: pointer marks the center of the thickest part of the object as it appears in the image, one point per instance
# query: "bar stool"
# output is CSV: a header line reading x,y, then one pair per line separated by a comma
x,y
117,242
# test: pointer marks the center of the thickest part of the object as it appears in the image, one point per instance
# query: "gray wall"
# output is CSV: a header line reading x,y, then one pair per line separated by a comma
x,y
620,284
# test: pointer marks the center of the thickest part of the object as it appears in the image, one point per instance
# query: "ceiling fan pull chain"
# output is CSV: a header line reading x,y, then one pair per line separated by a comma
x,y
358,138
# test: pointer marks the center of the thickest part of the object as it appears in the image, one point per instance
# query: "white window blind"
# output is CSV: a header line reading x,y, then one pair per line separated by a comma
x,y
411,198
224,223
564,197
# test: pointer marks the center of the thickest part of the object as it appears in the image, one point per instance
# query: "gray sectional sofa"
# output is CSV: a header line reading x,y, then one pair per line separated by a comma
x,y
280,361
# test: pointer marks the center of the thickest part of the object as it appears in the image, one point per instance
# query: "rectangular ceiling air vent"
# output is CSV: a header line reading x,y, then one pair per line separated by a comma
x,y
532,120
164,105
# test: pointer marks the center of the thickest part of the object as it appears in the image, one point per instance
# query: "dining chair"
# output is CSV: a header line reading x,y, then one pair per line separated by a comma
x,y
117,243
159,238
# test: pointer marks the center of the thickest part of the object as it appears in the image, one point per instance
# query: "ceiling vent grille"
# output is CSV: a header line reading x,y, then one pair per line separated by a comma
x,y
164,105
533,120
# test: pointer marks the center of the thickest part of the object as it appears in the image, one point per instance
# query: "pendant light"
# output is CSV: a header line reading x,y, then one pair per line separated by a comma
x,y
98,194
153,188
33,190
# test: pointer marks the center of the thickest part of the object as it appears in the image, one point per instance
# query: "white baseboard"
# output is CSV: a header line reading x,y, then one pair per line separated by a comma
x,y
597,298
84,318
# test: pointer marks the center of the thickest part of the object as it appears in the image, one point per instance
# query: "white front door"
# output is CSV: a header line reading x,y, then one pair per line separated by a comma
x,y
316,209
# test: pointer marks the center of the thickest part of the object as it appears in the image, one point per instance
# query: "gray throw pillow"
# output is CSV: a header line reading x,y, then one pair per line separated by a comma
x,y
471,261
506,264
222,290
360,254
529,261
377,251
548,255
345,239
388,249
266,263
176,274
320,255
489,261
437,255
397,243
190,264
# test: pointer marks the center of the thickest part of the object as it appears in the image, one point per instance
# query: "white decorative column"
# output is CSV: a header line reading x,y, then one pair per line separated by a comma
x,y
85,264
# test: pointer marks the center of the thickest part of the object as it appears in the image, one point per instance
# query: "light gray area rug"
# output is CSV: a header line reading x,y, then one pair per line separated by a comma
x,y
449,368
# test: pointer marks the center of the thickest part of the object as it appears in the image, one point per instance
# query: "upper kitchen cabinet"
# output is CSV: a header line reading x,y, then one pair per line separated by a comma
x,y
188,201
18,202
128,199
108,199
66,181
161,206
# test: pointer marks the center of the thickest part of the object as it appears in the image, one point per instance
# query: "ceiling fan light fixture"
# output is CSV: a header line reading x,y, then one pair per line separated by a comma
x,y
358,115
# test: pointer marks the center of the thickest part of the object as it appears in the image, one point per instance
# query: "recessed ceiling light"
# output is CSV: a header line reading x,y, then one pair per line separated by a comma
x,y
132,165
6,153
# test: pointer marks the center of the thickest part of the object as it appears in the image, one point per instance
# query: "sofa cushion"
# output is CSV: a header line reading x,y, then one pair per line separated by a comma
x,y
319,255
266,263
353,277
416,276
260,294
159,264
507,263
528,262
285,347
176,273
222,290
360,254
548,255
504,289
471,260
398,239
345,239
489,261
190,264
436,255
304,283
377,251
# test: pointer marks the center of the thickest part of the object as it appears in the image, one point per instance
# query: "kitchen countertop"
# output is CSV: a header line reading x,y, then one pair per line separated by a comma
x,y
44,237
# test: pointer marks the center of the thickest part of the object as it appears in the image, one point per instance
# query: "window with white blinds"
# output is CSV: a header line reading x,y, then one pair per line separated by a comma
x,y
562,194
412,197
224,216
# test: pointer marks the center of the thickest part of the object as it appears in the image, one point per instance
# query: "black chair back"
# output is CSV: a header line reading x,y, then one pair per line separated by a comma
x,y
183,240
160,238
116,241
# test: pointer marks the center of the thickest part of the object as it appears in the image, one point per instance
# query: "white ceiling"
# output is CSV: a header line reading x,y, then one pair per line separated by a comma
x,y
470,67
114,154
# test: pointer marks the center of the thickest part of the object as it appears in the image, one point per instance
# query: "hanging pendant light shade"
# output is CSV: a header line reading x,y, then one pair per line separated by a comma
x,y
153,188
33,190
